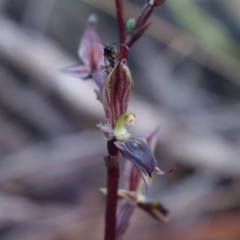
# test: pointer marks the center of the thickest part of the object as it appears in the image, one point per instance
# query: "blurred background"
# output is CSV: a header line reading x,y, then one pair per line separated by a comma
x,y
187,81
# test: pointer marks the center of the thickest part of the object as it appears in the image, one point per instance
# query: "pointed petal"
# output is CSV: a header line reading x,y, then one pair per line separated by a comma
x,y
160,172
130,196
123,194
145,178
79,71
90,49
116,92
137,151
124,214
155,209
98,95
103,190
98,78
119,145
132,176
106,130
152,139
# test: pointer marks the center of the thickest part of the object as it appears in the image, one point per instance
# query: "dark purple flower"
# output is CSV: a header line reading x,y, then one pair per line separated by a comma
x,y
132,195
90,49
91,53
137,151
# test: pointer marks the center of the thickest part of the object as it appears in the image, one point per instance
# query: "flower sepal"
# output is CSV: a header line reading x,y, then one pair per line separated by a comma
x,y
155,209
91,54
107,131
116,92
138,152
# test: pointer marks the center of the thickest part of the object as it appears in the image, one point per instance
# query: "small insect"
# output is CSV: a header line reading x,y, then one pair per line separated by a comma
x,y
111,56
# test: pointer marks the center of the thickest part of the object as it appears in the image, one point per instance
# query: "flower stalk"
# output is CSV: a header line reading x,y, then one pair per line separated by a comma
x,y
115,97
112,194
121,28
112,159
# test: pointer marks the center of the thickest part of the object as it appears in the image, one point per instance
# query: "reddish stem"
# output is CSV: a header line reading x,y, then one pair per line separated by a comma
x,y
120,18
121,27
112,188
112,159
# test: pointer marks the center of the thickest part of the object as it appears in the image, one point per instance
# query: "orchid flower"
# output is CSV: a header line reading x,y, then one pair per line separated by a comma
x,y
113,91
132,195
91,53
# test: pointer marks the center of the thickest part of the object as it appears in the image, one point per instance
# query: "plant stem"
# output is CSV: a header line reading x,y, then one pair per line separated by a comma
x,y
121,28
112,188
112,159
120,18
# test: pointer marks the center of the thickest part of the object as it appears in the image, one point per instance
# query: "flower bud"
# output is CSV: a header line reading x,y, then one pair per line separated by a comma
x,y
130,24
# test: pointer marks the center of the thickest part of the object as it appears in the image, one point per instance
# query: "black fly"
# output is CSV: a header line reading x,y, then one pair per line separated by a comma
x,y
111,57
111,54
